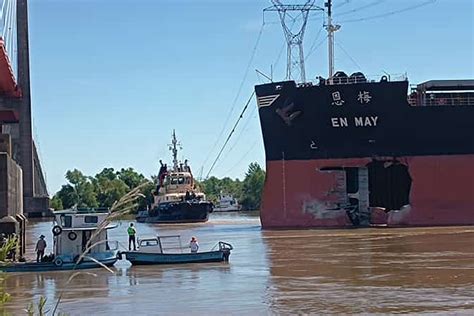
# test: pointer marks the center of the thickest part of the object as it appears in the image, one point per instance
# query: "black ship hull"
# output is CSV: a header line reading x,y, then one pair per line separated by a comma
x,y
178,212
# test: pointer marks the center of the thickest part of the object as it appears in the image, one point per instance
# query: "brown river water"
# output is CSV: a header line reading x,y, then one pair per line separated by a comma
x,y
358,271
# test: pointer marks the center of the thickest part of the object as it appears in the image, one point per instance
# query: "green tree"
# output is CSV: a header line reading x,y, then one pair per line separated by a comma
x,y
252,187
56,203
130,177
83,194
67,195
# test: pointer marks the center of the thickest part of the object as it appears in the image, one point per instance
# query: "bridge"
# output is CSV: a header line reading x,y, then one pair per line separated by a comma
x,y
22,183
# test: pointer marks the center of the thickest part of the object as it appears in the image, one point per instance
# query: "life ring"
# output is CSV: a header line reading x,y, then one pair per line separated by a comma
x,y
57,230
72,235
384,78
58,262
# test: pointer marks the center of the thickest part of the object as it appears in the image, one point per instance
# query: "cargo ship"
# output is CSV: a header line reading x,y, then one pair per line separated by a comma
x,y
350,151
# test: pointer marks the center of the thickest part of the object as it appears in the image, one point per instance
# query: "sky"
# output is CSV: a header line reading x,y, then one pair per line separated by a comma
x,y
112,79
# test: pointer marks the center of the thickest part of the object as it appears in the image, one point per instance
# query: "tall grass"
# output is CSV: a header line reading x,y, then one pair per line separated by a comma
x,y
123,206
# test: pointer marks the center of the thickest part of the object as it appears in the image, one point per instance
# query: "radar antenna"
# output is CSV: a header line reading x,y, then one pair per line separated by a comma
x,y
294,40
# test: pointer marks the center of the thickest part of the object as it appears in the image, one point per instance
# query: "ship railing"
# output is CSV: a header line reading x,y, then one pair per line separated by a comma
x,y
435,100
354,78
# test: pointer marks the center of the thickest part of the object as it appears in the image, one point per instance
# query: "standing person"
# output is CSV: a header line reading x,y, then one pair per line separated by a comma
x,y
193,244
131,237
40,247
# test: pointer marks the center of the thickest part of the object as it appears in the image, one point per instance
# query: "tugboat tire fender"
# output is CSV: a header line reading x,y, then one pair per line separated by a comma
x,y
57,230
72,235
58,262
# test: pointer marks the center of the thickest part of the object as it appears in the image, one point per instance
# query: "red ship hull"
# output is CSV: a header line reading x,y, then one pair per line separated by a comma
x,y
298,194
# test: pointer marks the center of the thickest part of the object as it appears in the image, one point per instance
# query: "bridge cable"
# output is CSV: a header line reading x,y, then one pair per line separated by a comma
x,y
230,134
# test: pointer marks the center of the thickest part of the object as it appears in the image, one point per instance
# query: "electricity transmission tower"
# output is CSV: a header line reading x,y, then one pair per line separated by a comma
x,y
294,40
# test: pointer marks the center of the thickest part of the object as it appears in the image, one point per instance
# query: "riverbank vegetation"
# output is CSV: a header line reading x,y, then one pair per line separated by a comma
x,y
107,186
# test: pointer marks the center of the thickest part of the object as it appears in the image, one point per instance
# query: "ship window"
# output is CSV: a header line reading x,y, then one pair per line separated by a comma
x,y
66,221
180,180
188,180
174,180
90,219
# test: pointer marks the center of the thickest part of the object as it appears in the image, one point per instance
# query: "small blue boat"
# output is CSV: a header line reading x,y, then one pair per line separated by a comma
x,y
151,251
73,231
52,266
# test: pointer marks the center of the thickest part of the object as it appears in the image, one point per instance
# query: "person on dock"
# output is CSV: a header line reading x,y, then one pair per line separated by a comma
x,y
40,247
193,244
131,237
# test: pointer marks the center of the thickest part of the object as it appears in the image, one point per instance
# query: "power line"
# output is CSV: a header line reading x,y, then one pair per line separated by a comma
x,y
374,3
391,13
230,134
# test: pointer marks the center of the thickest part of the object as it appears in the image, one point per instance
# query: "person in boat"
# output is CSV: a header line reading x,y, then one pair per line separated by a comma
x,y
188,196
193,244
131,237
40,247
161,176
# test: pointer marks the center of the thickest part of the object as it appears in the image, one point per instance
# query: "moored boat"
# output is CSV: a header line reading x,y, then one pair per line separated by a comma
x,y
227,203
152,251
73,231
177,198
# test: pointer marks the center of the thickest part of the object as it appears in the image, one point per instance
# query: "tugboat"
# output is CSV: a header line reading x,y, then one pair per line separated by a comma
x,y
177,198
72,231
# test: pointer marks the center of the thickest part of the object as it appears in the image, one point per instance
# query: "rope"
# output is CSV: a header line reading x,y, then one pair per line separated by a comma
x,y
249,64
348,55
230,134
244,128
243,157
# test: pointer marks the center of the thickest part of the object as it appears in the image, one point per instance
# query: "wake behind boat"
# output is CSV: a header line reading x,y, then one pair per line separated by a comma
x,y
178,198
169,250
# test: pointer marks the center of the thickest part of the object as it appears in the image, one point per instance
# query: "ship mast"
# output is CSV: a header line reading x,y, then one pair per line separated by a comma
x,y
331,29
174,149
